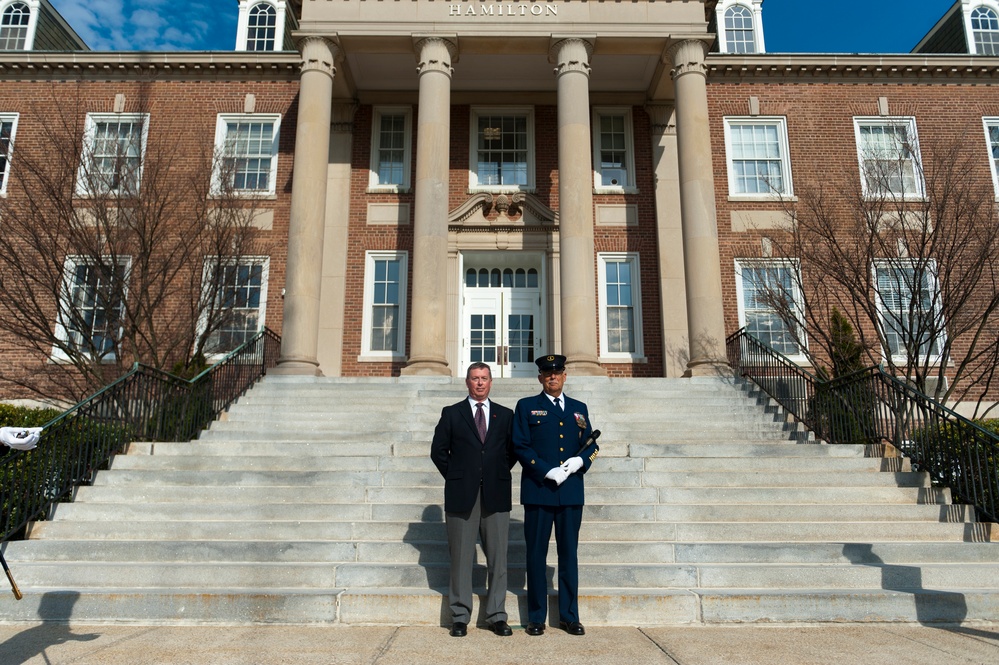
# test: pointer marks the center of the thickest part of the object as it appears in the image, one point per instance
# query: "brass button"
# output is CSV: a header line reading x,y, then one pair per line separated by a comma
x,y
561,436
560,424
532,461
561,450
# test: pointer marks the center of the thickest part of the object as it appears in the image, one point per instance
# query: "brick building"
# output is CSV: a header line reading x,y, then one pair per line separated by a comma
x,y
443,182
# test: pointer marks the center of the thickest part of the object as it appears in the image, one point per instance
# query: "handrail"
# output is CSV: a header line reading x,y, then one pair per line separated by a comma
x,y
145,404
872,407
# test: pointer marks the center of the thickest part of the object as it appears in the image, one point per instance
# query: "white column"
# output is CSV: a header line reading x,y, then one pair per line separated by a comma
x,y
575,201
300,329
705,316
428,336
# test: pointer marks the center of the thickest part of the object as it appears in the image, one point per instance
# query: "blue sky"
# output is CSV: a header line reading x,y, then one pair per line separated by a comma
x,y
791,26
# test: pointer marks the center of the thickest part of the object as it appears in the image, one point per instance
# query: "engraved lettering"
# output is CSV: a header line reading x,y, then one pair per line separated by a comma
x,y
537,10
454,10
503,9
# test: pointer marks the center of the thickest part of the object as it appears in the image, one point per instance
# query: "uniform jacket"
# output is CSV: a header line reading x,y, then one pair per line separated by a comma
x,y
467,464
544,439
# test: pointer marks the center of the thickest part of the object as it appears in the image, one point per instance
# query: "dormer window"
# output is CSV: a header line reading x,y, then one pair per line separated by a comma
x,y
261,25
985,29
14,27
740,26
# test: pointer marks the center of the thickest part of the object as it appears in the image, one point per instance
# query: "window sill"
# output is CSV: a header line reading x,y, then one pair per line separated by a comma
x,y
623,360
395,357
387,189
762,198
601,191
477,189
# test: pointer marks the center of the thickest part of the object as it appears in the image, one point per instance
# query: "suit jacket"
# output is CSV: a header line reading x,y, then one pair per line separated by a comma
x,y
544,439
467,464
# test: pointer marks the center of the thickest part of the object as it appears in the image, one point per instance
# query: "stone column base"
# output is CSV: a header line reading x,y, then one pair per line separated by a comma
x,y
426,367
584,367
296,367
709,367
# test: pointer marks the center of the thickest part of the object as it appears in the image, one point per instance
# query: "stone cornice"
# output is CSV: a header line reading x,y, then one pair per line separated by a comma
x,y
140,64
852,68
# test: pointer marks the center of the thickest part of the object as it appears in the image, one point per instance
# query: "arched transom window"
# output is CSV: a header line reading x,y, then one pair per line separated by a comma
x,y
739,30
14,27
985,28
261,28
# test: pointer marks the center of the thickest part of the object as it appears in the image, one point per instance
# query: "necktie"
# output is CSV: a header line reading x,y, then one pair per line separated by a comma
x,y
558,405
480,422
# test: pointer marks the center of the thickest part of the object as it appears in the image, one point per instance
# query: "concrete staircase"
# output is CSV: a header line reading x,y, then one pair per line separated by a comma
x,y
314,501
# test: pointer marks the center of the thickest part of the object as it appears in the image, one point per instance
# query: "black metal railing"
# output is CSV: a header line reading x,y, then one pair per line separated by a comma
x,y
873,407
145,404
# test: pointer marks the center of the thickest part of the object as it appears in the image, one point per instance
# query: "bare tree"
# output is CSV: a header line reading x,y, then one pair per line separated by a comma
x,y
115,247
909,256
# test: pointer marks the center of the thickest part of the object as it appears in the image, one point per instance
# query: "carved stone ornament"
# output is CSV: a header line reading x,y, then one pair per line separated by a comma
x,y
319,54
687,57
513,210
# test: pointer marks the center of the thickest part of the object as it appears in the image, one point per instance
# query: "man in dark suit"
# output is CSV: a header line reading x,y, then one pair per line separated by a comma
x,y
472,449
551,440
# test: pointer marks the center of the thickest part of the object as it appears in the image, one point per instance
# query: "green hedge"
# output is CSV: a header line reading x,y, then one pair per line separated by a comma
x,y
952,452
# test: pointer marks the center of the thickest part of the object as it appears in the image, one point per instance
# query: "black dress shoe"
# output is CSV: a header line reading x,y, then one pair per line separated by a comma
x,y
459,629
501,628
535,629
572,627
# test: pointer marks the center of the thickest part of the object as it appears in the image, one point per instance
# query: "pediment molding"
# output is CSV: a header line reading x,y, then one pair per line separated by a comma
x,y
513,210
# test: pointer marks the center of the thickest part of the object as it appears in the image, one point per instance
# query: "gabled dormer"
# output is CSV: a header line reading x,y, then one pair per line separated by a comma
x,y
265,25
969,26
739,26
35,25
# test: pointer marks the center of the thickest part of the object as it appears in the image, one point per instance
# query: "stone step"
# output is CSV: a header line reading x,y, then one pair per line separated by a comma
x,y
594,531
606,607
85,510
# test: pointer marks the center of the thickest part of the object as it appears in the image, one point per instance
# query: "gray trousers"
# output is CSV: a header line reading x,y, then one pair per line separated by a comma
x,y
462,529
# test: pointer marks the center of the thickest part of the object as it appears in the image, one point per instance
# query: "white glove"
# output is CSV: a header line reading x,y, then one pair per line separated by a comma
x,y
20,438
558,474
572,465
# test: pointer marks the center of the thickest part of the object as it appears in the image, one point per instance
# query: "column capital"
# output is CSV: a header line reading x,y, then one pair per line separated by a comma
x,y
436,53
687,57
663,117
343,116
571,54
319,54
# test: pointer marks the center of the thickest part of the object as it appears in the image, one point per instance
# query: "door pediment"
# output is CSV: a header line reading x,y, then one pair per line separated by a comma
x,y
517,210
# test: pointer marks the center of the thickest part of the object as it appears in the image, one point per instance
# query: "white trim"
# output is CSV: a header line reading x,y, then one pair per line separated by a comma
x,y
367,354
5,175
930,272
265,263
221,131
473,147
85,178
968,6
912,138
800,356
374,185
629,186
34,10
632,258
61,332
785,157
992,121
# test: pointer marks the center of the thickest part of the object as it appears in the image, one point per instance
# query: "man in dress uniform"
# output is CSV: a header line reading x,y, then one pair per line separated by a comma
x,y
473,451
551,440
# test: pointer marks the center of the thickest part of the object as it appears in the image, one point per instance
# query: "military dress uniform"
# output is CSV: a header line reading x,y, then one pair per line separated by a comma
x,y
544,437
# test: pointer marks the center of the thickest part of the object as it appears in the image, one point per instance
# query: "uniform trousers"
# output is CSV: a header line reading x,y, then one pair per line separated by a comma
x,y
538,521
462,529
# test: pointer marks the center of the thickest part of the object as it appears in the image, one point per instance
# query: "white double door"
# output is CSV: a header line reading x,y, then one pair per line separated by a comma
x,y
501,328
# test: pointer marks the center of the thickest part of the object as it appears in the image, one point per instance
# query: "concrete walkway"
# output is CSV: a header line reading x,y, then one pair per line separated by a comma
x,y
880,644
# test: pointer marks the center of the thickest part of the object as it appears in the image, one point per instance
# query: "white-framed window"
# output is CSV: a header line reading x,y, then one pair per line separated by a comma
x,y
908,298
246,146
613,150
8,128
17,24
114,147
502,149
391,148
384,320
756,150
239,299
92,307
770,304
619,286
984,23
992,142
888,150
261,25
740,26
